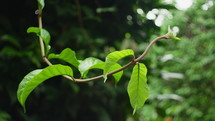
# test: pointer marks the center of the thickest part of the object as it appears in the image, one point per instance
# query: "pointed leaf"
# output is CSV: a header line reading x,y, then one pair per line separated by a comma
x,y
138,90
44,34
66,55
117,76
34,78
113,57
85,65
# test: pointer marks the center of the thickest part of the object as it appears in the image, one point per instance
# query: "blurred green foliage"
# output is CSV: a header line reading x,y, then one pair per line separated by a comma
x,y
180,77
185,81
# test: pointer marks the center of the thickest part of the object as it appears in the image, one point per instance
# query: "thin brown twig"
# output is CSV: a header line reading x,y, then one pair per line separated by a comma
x,y
40,39
129,64
45,59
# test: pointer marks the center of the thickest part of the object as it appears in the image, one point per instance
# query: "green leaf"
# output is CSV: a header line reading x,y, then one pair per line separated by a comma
x,y
44,34
36,77
171,35
66,55
113,57
85,65
41,4
34,30
138,89
117,76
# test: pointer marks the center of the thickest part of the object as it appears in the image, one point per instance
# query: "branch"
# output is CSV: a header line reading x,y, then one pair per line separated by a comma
x,y
40,39
45,59
129,64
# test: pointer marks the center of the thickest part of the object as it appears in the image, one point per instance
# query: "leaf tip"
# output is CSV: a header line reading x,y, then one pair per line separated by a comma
x,y
134,111
23,106
105,79
24,109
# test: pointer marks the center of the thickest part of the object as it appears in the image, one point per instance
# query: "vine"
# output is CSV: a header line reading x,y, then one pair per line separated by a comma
x,y
137,87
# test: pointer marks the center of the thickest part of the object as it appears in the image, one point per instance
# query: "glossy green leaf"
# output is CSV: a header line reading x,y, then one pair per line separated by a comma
x,y
44,34
66,55
86,64
34,78
117,76
138,90
35,30
41,4
113,57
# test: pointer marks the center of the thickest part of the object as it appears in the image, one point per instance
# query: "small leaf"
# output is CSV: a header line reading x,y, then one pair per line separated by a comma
x,y
44,34
171,35
66,55
113,57
34,78
138,89
117,76
85,65
41,4
33,30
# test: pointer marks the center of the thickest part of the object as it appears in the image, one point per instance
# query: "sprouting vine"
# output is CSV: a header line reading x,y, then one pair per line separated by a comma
x,y
137,87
